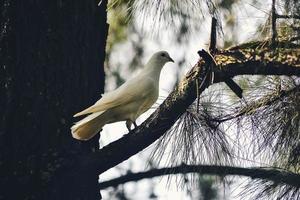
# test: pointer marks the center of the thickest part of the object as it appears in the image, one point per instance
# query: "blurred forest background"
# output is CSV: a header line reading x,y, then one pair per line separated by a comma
x,y
186,29
59,56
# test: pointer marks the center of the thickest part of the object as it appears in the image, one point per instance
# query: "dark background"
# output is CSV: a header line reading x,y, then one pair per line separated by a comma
x,y
52,55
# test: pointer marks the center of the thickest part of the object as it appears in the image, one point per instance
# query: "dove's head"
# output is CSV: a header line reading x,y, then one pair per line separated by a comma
x,y
162,57
159,59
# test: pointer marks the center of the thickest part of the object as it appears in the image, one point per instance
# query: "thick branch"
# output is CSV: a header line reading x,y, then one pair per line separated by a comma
x,y
288,16
276,176
295,38
170,110
256,58
261,68
255,61
149,131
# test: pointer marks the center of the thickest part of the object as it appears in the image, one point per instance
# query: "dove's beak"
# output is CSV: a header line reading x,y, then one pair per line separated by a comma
x,y
170,59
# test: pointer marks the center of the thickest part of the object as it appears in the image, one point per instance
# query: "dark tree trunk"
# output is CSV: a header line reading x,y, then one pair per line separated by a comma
x,y
52,55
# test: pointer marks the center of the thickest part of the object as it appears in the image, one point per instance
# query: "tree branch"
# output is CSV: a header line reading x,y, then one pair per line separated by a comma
x,y
296,38
288,16
261,68
253,61
152,129
172,108
264,101
276,176
213,36
273,23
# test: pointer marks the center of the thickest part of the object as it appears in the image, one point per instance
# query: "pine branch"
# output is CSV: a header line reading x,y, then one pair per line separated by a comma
x,y
255,59
171,109
264,101
296,38
288,16
273,23
276,176
213,36
260,68
149,131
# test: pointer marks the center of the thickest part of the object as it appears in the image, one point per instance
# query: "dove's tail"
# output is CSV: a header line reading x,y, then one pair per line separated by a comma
x,y
88,127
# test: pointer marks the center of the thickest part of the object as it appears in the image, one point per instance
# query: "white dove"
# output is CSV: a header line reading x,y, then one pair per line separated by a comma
x,y
126,103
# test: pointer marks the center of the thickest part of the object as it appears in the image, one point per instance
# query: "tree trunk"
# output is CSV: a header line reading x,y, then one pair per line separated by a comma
x,y
52,56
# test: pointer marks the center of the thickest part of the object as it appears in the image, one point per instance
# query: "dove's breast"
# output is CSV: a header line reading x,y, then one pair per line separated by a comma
x,y
133,109
148,101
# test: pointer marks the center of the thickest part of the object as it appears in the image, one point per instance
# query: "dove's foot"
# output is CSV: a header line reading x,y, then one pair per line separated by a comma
x,y
135,125
129,123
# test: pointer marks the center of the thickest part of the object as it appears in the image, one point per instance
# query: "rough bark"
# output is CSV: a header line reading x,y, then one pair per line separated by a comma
x,y
178,101
149,131
52,55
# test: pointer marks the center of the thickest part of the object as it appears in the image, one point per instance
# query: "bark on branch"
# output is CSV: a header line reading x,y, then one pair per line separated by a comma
x,y
276,176
255,59
233,62
288,16
152,129
261,68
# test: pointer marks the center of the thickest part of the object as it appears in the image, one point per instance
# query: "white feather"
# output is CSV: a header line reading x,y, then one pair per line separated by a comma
x,y
127,102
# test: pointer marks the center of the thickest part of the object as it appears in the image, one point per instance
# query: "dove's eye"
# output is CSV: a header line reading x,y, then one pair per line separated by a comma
x,y
163,55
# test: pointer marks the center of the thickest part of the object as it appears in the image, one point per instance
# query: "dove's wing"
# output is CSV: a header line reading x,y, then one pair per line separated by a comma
x,y
132,90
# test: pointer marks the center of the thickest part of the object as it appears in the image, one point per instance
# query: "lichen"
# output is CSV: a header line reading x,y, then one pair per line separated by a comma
x,y
261,53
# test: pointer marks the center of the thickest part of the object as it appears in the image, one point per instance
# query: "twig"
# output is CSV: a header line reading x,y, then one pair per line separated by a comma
x,y
276,176
295,28
209,62
198,95
258,104
273,24
295,38
213,36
